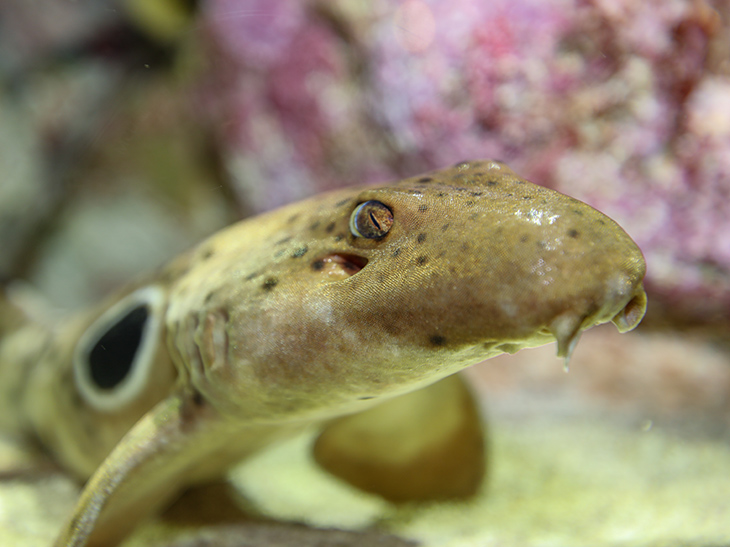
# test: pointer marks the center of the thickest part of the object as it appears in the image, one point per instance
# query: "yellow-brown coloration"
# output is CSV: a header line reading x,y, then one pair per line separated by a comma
x,y
294,318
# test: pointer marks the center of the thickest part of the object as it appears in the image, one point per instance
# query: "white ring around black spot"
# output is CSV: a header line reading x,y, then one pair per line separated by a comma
x,y
134,382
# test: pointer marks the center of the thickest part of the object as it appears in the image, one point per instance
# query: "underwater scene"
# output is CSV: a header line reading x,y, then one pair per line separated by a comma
x,y
327,272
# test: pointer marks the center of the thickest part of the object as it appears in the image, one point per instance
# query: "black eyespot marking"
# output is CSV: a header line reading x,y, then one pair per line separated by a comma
x,y
421,238
421,260
318,265
269,283
573,233
371,220
437,340
330,227
300,252
425,179
111,358
422,208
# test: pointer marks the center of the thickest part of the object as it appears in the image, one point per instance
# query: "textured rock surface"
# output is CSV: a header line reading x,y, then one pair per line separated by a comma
x,y
622,104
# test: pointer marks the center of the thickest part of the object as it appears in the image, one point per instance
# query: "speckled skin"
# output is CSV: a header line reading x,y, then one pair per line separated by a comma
x,y
287,319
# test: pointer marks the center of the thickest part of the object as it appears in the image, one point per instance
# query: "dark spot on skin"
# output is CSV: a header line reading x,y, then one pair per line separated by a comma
x,y
422,208
476,194
440,194
437,340
314,225
300,252
365,398
330,227
197,398
541,244
421,238
278,253
524,239
250,276
339,237
292,218
601,222
208,297
206,254
269,283
464,246
282,241
461,189
396,252
425,179
573,233
317,265
578,212
526,197
445,227
469,203
491,183
343,202
421,260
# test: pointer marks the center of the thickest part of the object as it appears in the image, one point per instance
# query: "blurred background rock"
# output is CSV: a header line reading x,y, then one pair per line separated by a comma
x,y
131,129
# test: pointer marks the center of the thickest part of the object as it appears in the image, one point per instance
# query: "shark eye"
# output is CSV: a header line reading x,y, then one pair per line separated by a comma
x,y
114,356
371,220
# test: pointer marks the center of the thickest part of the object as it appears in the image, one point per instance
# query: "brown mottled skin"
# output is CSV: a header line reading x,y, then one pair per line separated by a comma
x,y
289,319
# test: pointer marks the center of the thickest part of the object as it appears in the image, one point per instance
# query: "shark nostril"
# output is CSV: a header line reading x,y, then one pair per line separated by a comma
x,y
340,265
632,313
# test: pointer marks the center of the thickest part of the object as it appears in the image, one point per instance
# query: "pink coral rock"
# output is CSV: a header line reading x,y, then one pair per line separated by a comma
x,y
622,104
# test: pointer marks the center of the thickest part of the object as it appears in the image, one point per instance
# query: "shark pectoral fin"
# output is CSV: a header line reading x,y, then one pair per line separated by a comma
x,y
140,474
425,445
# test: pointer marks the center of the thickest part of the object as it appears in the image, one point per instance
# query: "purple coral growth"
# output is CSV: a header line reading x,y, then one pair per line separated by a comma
x,y
623,104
